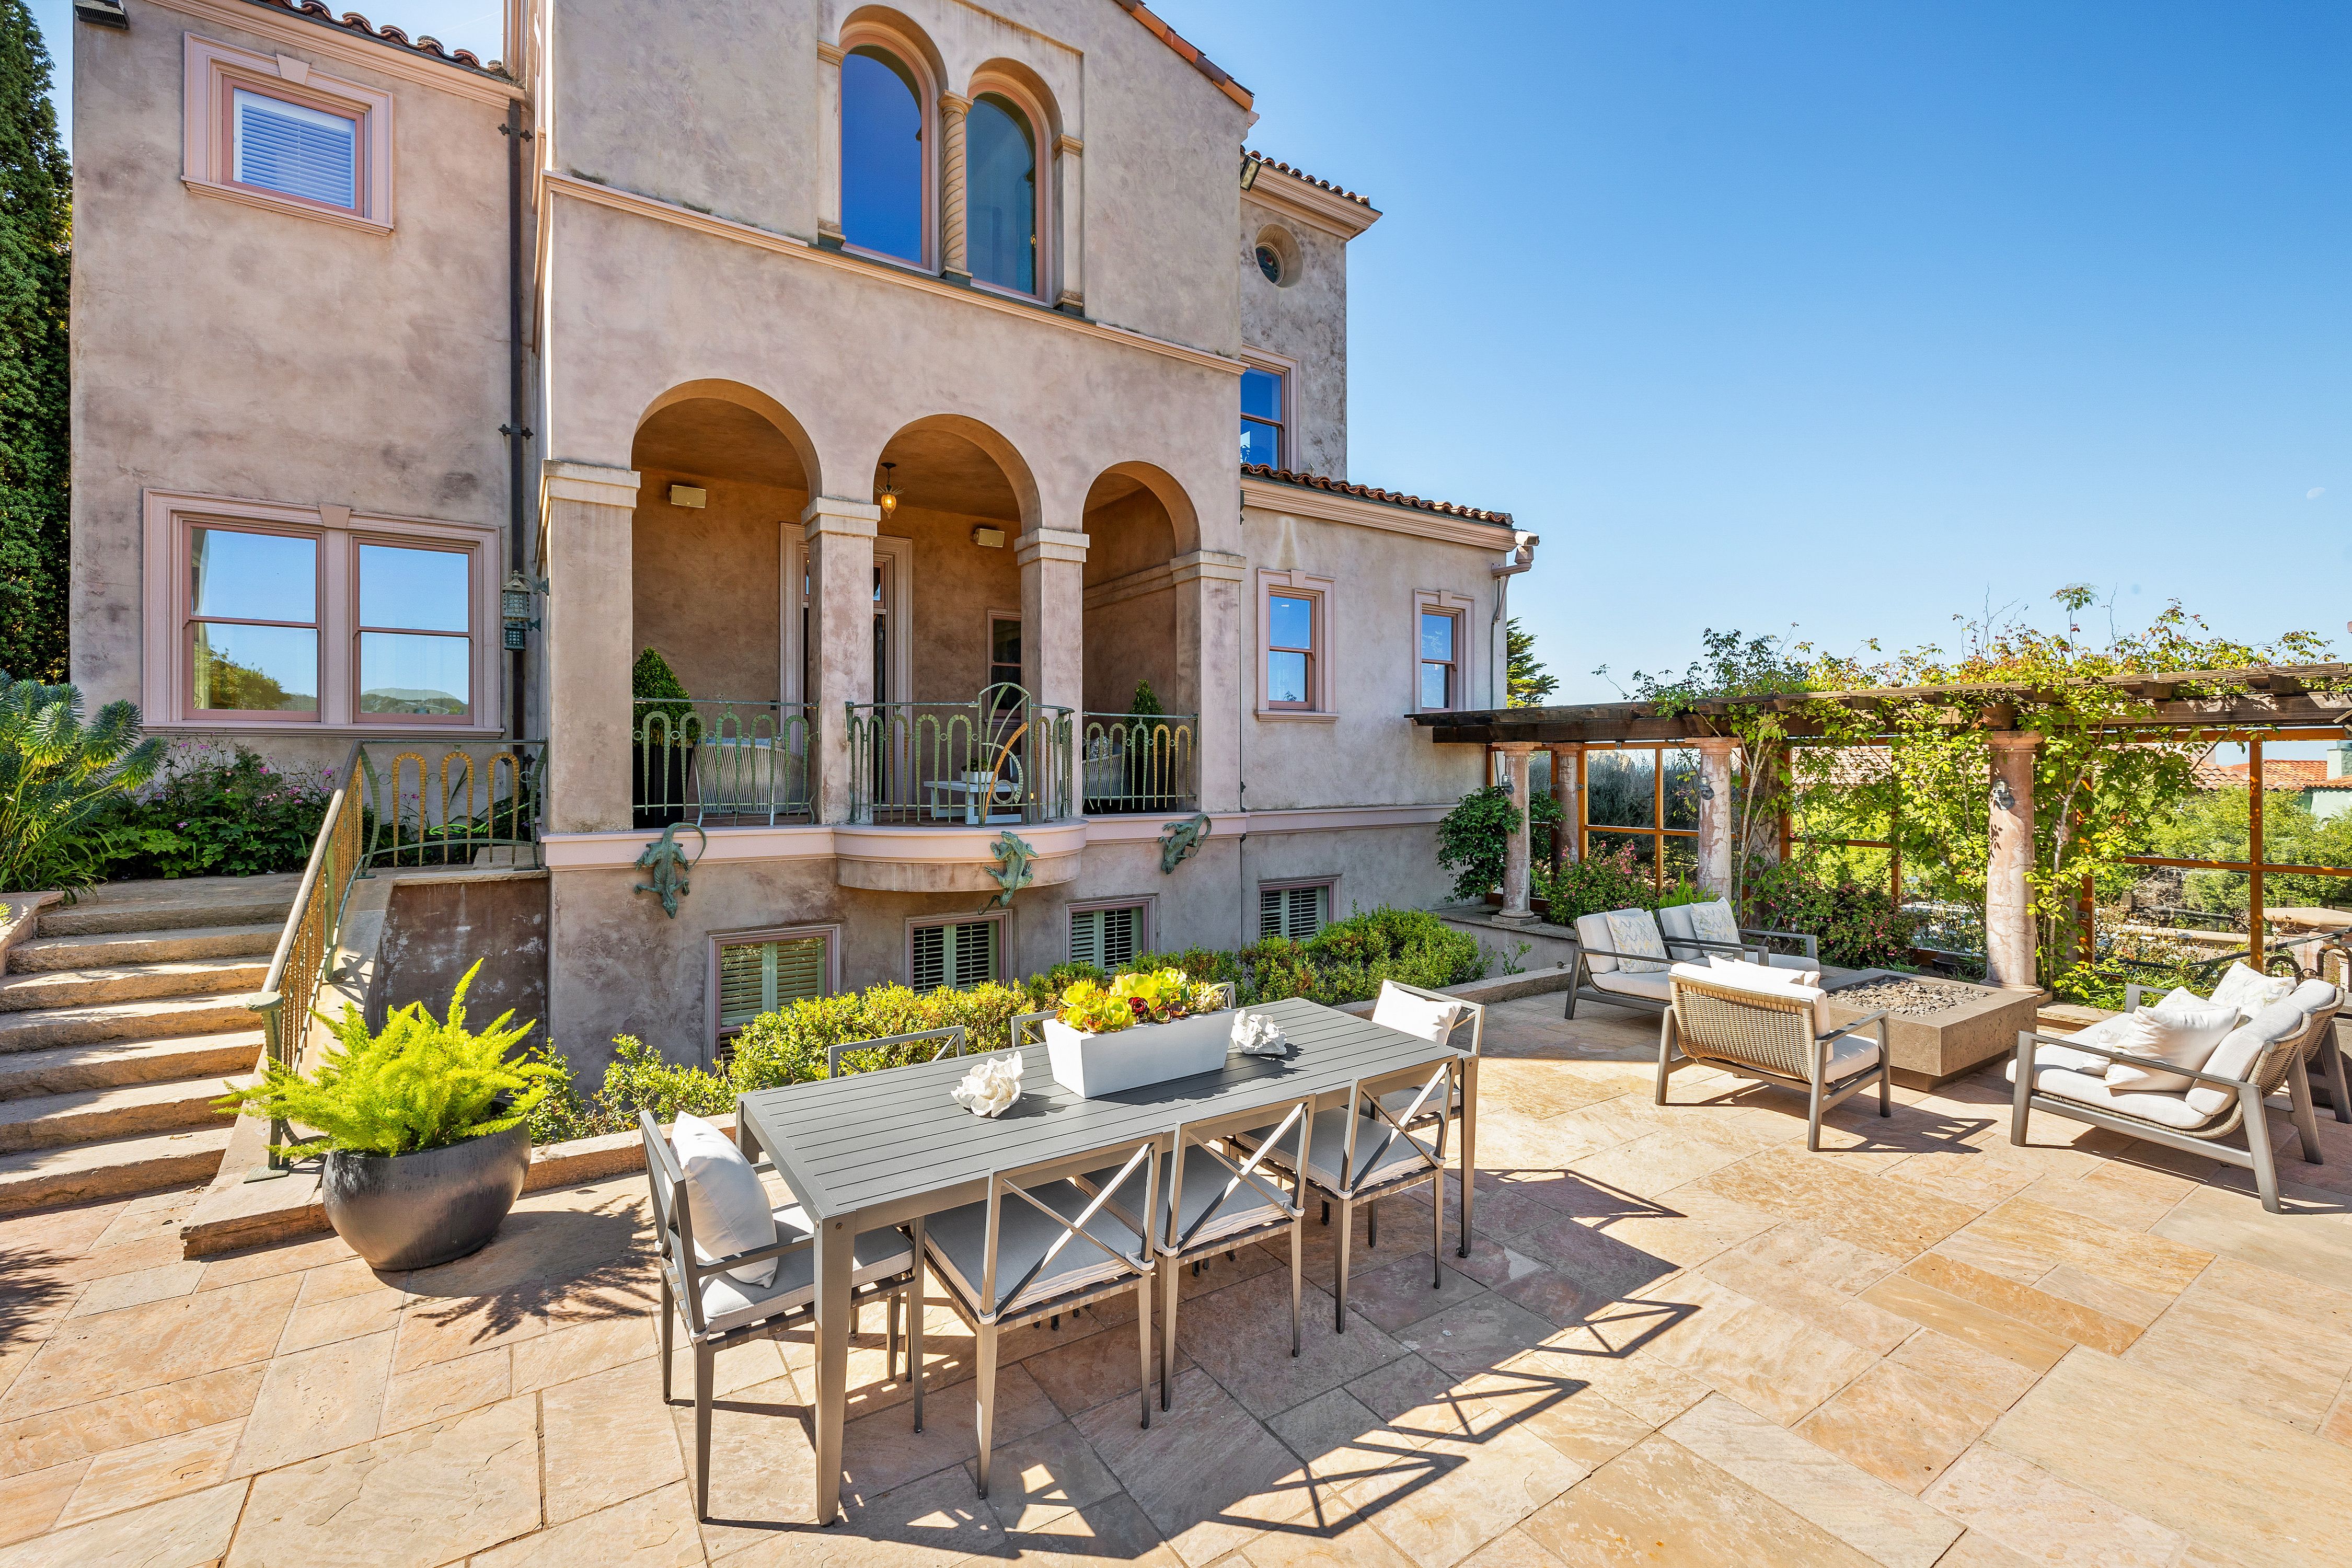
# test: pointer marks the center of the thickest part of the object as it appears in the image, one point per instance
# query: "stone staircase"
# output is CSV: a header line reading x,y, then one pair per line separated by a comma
x,y
119,1020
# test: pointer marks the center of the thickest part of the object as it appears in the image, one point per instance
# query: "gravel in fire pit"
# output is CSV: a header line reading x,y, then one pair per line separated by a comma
x,y
1911,998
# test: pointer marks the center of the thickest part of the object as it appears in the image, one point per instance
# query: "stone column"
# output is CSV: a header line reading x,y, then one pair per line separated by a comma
x,y
2008,899
588,513
1070,197
953,259
840,538
1516,858
1208,667
828,145
1053,645
1567,780
1715,815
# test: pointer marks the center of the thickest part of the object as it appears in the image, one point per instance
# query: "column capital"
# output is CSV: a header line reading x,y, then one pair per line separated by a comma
x,y
830,53
955,103
1515,748
1716,745
849,518
595,483
1069,146
1050,545
1215,565
2013,739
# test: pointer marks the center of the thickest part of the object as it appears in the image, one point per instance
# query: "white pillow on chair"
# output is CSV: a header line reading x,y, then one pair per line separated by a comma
x,y
2249,990
1419,1016
1715,922
1634,932
1739,969
728,1205
2185,1037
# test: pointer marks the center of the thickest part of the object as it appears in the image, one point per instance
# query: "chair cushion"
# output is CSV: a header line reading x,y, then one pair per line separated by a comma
x,y
1758,981
1715,922
958,1242
2249,990
1382,1153
728,1302
1792,961
2184,1037
1592,931
1632,930
1681,938
2175,1110
2066,1056
2281,1021
1654,987
1205,1190
1416,1015
1849,1054
1721,967
727,1205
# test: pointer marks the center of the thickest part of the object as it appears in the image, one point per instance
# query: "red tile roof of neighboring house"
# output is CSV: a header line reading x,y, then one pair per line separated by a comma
x,y
2278,772
353,22
1303,175
1366,493
1199,61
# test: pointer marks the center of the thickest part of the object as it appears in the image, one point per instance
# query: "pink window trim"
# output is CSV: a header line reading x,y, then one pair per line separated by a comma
x,y
1321,591
187,620
166,662
213,71
1438,602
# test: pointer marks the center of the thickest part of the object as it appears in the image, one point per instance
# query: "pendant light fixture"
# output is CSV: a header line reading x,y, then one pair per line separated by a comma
x,y
888,499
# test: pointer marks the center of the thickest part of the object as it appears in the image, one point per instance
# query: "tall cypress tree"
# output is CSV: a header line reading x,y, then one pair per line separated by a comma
x,y
36,246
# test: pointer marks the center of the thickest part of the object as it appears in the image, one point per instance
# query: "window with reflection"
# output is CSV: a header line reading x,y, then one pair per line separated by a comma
x,y
415,658
1000,193
253,622
1290,650
1262,431
1440,670
882,155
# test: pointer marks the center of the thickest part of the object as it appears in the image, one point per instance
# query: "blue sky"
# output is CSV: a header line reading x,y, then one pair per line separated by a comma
x,y
1849,317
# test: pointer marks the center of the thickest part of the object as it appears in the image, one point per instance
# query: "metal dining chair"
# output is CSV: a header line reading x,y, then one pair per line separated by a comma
x,y
953,1042
721,1310
1214,1200
1470,1014
1061,1247
1359,1152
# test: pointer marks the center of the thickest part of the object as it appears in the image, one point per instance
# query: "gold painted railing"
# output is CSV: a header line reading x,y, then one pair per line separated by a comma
x,y
1002,758
300,956
718,763
1138,763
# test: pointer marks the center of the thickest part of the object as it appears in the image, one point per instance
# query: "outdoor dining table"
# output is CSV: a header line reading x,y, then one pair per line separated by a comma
x,y
888,1148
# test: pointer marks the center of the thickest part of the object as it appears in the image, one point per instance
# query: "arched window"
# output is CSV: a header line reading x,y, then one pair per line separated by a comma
x,y
882,155
1001,179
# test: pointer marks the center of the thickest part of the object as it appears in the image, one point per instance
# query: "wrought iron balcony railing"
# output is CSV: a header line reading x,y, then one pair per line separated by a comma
x,y
1138,763
1001,758
718,762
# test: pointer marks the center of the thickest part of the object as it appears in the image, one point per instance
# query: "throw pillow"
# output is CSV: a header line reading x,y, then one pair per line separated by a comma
x,y
2185,1037
1740,970
2249,990
724,1195
1633,931
1715,922
1416,1015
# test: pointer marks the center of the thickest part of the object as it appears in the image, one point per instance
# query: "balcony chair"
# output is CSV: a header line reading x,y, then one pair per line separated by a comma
x,y
2067,1076
1214,1200
1748,1020
720,1305
1062,1246
1359,1152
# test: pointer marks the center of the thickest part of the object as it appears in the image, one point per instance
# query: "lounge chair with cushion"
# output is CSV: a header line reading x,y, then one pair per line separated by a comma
x,y
1622,960
1760,1022
2249,990
2218,1105
1693,931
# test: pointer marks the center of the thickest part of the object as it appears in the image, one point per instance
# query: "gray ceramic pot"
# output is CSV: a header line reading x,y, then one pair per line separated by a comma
x,y
413,1211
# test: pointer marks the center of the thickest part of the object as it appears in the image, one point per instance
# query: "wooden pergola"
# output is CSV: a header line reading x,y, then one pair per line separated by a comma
x,y
2271,702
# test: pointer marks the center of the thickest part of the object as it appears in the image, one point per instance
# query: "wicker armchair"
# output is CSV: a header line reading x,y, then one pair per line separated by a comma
x,y
1773,1033
2064,1076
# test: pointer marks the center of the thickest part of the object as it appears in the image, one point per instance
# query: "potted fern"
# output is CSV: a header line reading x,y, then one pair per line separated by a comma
x,y
424,1125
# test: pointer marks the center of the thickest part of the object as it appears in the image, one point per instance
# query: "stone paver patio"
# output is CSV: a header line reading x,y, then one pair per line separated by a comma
x,y
1680,1339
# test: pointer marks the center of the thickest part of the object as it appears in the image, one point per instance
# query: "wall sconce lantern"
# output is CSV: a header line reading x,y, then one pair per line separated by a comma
x,y
888,499
514,611
1249,171
2002,796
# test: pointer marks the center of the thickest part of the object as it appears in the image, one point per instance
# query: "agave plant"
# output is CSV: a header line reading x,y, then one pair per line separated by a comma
x,y
58,776
418,1083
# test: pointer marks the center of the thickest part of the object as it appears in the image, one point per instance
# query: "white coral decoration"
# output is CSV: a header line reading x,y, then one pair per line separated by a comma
x,y
987,1089
1255,1034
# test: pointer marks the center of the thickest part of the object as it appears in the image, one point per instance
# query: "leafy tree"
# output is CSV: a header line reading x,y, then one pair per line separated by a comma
x,y
2212,825
1474,836
658,689
1527,683
36,241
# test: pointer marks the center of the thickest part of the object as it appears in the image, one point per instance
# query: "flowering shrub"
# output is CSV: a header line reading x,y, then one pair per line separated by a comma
x,y
1596,883
1859,926
217,809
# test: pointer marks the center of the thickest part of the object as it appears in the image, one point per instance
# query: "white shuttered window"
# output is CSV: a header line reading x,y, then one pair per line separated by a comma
x,y
1294,912
756,977
295,150
1106,938
957,955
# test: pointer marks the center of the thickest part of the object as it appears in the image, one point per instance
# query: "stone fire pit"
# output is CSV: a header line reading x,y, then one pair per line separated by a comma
x,y
1936,1029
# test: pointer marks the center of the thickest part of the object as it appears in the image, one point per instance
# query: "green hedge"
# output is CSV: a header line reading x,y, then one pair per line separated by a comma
x,y
1345,962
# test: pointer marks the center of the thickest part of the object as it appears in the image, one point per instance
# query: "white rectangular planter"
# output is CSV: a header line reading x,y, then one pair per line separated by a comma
x,y
1094,1065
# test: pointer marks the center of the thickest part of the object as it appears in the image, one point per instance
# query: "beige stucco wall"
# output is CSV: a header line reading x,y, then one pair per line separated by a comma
x,y
1304,320
707,583
235,351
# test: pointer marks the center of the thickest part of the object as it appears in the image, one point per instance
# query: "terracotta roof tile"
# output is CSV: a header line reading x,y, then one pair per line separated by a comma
x,y
1366,493
1184,46
353,22
2278,772
1280,168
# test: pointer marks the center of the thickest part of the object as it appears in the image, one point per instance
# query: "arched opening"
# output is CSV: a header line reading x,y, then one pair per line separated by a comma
x,y
946,551
886,160
1138,749
1001,202
724,475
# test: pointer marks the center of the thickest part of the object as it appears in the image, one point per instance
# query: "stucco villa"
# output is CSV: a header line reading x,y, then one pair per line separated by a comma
x,y
880,369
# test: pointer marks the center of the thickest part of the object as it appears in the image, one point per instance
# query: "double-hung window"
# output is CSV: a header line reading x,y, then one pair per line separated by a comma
x,y
252,630
758,977
1293,910
1263,395
957,954
1290,650
1440,663
1107,938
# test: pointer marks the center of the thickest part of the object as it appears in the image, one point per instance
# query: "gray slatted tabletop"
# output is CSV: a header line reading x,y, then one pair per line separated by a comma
x,y
885,1148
